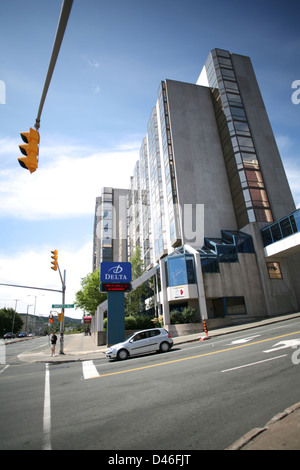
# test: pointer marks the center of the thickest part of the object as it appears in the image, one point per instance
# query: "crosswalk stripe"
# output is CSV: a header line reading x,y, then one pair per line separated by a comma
x,y
89,370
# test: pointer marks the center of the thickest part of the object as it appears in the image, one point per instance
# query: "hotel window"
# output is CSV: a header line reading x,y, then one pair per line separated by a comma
x,y
274,271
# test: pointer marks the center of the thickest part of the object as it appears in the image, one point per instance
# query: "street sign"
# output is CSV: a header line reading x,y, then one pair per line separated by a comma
x,y
115,272
63,306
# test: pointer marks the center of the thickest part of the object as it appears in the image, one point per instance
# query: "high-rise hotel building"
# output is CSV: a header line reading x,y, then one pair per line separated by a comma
x,y
209,203
110,226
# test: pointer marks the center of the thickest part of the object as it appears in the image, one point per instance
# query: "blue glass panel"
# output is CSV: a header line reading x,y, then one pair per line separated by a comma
x,y
210,265
295,219
177,271
190,270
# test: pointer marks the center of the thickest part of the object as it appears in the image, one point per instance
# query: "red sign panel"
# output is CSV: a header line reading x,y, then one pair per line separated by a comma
x,y
124,287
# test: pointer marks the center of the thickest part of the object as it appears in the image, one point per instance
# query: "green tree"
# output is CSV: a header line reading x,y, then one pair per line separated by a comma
x,y
89,297
6,321
135,300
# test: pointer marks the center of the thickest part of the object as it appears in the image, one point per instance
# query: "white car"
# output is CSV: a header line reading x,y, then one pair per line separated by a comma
x,y
142,342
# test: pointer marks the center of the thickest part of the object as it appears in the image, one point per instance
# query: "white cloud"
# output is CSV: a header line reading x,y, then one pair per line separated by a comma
x,y
67,182
91,61
284,143
32,269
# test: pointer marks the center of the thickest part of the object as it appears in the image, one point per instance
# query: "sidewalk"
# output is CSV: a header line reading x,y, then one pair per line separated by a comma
x,y
282,432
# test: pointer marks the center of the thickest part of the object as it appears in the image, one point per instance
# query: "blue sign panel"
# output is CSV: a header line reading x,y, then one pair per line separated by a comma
x,y
115,272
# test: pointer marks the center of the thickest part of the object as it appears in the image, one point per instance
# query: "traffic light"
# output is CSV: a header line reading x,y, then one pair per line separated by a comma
x,y
54,262
30,149
60,316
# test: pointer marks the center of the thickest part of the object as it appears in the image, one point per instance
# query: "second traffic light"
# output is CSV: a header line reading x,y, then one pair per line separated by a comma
x,y
60,316
30,149
54,262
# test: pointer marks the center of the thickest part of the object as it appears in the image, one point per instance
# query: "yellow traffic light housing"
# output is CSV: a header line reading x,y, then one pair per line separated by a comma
x,y
54,262
60,316
30,149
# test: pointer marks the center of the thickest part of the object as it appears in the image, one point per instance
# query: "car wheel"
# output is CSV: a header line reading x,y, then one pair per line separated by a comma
x,y
164,347
122,354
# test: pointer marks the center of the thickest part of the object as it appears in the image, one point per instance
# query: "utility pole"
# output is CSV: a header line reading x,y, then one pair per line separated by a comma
x,y
55,266
62,323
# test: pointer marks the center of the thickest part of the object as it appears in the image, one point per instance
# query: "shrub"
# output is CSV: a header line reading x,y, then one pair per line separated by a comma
x,y
141,322
130,323
186,316
175,317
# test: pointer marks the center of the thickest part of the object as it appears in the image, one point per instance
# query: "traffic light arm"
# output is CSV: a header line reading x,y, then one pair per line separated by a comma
x,y
62,24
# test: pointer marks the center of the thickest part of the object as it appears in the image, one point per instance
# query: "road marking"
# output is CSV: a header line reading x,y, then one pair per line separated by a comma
x,y
198,355
253,363
244,340
292,343
89,370
47,412
4,368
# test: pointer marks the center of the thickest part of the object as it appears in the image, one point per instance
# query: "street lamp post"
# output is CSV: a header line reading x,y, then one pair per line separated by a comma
x,y
55,267
62,323
35,297
13,323
31,305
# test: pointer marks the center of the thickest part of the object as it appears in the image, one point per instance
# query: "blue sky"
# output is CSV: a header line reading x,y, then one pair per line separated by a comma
x,y
112,59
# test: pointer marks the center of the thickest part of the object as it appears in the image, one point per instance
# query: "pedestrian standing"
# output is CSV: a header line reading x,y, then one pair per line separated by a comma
x,y
53,340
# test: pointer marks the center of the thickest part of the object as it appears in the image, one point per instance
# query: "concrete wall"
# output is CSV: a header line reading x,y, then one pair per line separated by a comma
x,y
281,295
293,263
240,279
201,176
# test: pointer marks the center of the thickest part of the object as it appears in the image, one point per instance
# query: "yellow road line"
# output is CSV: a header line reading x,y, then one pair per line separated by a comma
x,y
197,356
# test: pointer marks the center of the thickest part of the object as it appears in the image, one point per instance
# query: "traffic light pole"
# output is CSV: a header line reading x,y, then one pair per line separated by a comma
x,y
62,323
62,24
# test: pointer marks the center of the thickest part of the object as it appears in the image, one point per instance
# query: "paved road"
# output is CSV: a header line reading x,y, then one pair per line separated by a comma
x,y
202,395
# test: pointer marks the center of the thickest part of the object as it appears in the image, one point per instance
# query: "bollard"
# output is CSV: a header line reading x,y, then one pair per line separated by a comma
x,y
203,338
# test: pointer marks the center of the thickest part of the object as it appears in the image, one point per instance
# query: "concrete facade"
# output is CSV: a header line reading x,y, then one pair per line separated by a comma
x,y
201,176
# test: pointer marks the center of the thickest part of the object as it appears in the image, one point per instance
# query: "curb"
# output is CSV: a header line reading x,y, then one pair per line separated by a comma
x,y
237,445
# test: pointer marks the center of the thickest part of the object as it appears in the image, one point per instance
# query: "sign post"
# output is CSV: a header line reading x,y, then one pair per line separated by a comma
x,y
115,279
